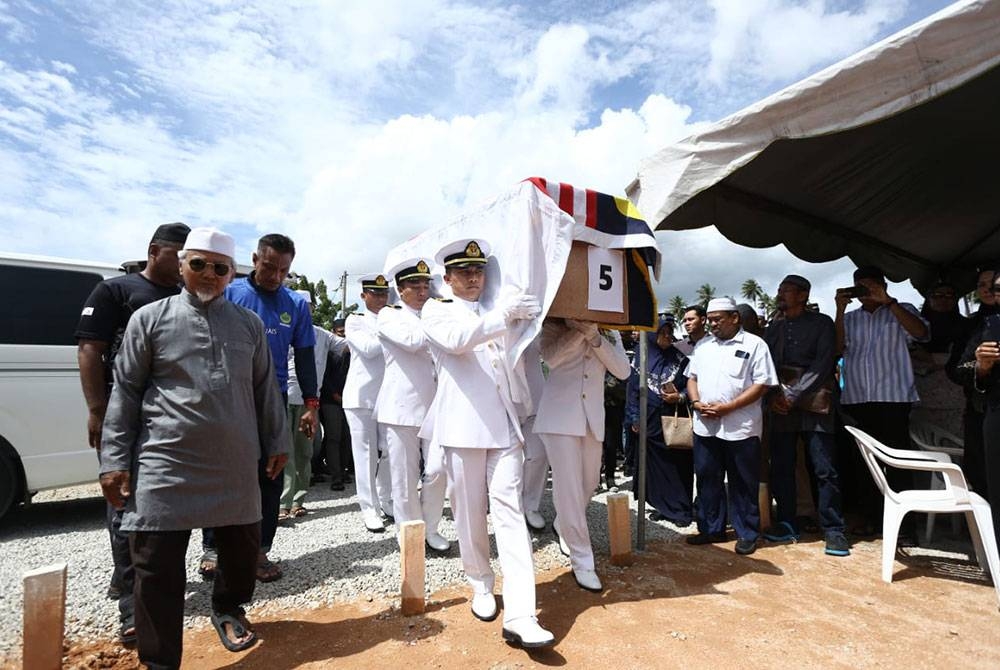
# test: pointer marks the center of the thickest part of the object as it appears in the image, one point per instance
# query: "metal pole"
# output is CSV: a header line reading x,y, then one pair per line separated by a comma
x,y
343,296
640,526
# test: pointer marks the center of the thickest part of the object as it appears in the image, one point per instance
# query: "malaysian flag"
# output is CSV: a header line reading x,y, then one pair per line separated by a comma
x,y
613,223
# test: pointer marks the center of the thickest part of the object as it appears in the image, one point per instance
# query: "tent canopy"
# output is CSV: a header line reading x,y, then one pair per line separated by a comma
x,y
888,157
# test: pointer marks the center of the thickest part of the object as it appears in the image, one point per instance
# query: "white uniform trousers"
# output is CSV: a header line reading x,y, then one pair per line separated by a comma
x,y
408,504
481,477
576,472
536,466
371,473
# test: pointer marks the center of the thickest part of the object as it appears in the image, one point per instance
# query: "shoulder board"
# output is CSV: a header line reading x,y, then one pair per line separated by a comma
x,y
444,299
395,306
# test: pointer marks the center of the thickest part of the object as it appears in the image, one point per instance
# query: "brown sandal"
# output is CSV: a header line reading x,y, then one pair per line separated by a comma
x,y
297,511
268,571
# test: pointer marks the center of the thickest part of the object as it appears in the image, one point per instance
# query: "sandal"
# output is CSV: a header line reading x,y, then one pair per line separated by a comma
x,y
284,515
208,564
297,511
126,633
267,571
239,626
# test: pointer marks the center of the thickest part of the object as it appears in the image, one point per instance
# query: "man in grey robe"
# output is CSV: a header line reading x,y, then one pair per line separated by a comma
x,y
194,406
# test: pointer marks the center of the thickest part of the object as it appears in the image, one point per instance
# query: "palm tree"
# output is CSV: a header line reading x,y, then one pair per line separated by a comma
x,y
706,292
752,291
768,303
677,305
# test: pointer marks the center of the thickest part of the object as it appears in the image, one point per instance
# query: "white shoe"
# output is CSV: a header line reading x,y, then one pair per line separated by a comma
x,y
437,543
527,633
535,520
484,606
588,580
373,522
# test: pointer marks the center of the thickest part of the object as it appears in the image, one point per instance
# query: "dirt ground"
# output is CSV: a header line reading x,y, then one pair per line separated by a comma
x,y
676,606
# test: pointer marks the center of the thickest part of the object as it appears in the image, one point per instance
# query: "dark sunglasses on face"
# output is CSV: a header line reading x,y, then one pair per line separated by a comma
x,y
199,264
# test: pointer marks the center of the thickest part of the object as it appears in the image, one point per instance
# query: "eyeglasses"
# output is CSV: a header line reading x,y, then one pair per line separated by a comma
x,y
199,264
995,289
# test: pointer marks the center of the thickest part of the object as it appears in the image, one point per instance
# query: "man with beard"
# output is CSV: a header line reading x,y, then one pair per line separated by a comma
x,y
194,405
802,345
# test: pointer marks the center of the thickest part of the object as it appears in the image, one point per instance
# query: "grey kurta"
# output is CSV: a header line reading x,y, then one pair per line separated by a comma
x,y
195,404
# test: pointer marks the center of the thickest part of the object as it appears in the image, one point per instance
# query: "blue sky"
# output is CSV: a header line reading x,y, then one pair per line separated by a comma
x,y
352,126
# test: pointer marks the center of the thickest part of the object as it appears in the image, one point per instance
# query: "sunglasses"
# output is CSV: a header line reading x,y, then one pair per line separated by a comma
x,y
199,265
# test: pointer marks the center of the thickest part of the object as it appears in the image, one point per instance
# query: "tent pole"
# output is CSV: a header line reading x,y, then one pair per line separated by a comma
x,y
640,537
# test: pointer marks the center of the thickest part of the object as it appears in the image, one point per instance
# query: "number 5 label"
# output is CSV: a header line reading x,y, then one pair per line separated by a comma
x,y
606,284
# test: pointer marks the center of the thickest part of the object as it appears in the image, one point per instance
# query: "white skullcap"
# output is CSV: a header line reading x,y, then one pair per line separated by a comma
x,y
305,294
721,305
211,239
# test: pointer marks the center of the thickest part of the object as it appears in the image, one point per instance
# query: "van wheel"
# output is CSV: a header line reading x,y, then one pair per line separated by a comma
x,y
8,483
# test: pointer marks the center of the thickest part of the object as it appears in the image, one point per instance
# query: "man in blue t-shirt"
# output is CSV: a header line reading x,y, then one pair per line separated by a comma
x,y
288,324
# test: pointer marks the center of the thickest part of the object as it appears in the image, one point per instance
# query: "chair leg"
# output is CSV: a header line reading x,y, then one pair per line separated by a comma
x,y
892,517
977,539
982,517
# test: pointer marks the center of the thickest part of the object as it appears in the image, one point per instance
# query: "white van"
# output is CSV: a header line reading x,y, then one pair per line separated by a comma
x,y
43,417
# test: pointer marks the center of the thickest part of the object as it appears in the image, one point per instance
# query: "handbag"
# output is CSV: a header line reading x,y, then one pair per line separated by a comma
x,y
677,431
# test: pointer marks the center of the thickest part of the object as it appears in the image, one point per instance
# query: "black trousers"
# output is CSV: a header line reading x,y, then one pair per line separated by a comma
x,y
270,503
160,580
336,440
123,576
991,438
614,417
974,456
889,423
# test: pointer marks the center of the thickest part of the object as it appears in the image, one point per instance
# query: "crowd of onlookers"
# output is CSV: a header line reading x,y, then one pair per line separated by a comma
x,y
215,403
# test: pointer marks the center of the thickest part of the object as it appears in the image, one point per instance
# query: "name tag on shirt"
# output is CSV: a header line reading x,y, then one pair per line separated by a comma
x,y
742,354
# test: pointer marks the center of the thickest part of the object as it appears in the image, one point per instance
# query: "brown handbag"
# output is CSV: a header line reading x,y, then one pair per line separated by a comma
x,y
677,430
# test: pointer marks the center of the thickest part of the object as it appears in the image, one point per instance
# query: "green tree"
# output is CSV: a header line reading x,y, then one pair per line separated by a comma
x,y
677,305
705,293
753,292
326,310
769,303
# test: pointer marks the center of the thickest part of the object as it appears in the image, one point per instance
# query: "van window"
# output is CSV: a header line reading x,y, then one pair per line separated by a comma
x,y
42,305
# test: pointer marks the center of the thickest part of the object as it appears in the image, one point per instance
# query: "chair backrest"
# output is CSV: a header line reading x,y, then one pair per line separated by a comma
x,y
932,437
874,454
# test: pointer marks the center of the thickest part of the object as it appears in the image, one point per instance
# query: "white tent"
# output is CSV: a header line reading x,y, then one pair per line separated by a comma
x,y
889,157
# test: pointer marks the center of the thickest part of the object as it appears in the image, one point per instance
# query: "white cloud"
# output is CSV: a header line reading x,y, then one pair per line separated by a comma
x,y
778,39
297,118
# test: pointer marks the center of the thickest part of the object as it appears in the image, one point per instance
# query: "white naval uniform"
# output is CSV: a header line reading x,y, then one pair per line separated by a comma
x,y
364,378
477,422
536,464
406,394
570,421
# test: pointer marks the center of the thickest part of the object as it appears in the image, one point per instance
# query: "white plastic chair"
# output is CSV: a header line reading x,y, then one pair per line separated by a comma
x,y
933,438
954,497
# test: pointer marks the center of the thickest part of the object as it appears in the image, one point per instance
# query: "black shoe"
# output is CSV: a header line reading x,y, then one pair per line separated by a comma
x,y
746,547
336,486
114,592
837,544
348,477
706,538
656,516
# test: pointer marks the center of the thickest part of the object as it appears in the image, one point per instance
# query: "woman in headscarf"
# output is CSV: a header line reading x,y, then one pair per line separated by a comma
x,y
669,471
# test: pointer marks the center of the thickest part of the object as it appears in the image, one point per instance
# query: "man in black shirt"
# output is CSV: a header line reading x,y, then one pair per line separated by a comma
x,y
98,335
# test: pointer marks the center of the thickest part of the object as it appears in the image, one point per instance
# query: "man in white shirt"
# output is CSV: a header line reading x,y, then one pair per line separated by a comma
x,y
364,378
407,391
729,374
476,419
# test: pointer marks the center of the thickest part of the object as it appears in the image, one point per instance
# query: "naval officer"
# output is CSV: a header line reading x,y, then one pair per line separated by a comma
x,y
475,418
571,423
407,391
364,378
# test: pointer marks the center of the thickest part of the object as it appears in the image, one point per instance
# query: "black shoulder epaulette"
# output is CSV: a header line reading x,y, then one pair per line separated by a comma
x,y
444,299
395,306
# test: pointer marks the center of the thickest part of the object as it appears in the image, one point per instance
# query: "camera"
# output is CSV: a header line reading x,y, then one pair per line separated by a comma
x,y
856,291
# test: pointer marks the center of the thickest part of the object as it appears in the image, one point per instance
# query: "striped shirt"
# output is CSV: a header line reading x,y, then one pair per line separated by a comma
x,y
877,364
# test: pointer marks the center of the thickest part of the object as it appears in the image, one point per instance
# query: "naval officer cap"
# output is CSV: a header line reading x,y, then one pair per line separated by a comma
x,y
463,253
411,268
374,281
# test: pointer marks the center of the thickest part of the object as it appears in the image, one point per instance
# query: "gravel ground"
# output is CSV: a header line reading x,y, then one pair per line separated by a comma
x,y
327,556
